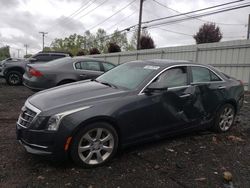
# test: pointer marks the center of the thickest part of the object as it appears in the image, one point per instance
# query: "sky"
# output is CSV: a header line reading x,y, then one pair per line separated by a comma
x,y
22,20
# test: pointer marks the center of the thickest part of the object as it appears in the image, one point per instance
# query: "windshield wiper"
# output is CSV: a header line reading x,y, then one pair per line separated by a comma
x,y
108,84
105,83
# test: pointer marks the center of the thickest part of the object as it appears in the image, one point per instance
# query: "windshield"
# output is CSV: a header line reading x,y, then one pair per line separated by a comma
x,y
128,75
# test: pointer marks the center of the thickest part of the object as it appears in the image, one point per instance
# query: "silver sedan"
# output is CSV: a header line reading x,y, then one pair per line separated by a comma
x,y
62,71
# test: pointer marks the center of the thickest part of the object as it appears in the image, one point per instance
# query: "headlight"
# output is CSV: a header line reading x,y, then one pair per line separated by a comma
x,y
55,120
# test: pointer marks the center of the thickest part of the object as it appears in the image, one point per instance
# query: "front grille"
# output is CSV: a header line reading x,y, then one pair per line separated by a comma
x,y
26,117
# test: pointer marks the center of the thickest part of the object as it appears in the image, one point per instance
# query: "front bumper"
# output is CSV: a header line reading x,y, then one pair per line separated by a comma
x,y
42,142
30,148
1,72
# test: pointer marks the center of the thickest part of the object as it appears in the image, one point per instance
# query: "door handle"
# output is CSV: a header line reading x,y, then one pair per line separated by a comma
x,y
221,87
185,95
83,75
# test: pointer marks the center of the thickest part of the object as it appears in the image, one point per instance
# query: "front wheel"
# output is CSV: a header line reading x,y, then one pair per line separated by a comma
x,y
14,78
224,118
94,145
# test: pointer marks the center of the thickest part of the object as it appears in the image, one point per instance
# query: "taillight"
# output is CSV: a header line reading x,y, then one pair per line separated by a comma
x,y
241,82
35,72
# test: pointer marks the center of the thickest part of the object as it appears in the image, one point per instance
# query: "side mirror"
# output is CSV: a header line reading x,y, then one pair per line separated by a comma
x,y
154,87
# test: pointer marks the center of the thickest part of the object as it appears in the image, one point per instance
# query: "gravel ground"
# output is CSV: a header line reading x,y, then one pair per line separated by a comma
x,y
188,161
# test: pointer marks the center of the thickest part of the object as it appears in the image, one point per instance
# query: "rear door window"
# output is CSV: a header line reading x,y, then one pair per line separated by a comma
x,y
56,56
202,74
42,57
108,66
90,65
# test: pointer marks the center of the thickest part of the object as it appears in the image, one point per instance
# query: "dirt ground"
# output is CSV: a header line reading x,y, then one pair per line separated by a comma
x,y
188,161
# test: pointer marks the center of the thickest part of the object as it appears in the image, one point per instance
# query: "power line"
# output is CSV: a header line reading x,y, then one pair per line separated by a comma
x,y
180,33
112,15
122,20
128,29
84,7
200,15
167,7
176,32
93,9
75,13
194,11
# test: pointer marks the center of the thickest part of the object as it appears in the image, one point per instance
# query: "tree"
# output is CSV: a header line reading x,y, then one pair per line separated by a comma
x,y
146,42
120,39
133,41
4,52
113,47
100,40
70,44
80,53
208,33
93,51
27,56
47,49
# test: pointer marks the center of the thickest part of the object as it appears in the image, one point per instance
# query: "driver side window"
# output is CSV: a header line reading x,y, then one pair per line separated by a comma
x,y
173,77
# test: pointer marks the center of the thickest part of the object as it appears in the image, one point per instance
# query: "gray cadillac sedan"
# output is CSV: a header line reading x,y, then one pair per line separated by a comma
x,y
62,71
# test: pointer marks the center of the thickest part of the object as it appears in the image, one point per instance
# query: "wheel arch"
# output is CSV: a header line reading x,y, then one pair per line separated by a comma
x,y
18,69
105,119
229,101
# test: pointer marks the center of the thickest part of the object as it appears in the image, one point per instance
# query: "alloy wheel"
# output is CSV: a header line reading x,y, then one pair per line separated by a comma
x,y
226,118
96,146
14,79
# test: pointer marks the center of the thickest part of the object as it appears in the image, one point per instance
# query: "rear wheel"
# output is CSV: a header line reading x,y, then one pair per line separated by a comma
x,y
94,145
14,78
225,118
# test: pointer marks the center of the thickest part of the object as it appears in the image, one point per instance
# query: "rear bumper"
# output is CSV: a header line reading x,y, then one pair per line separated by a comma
x,y
26,84
37,84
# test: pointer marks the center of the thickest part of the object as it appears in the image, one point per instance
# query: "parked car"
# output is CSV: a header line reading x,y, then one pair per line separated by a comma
x,y
135,102
8,60
63,71
13,72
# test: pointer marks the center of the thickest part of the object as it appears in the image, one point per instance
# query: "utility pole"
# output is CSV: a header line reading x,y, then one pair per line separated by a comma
x,y
43,35
248,30
18,50
139,25
26,48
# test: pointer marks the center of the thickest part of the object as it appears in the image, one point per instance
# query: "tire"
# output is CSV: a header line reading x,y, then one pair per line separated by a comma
x,y
14,78
94,145
224,119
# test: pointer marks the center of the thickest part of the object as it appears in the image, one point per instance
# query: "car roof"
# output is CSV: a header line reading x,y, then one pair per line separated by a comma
x,y
90,58
52,52
166,62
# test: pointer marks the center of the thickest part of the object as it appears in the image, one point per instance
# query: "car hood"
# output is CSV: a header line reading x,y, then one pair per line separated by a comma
x,y
20,62
74,95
